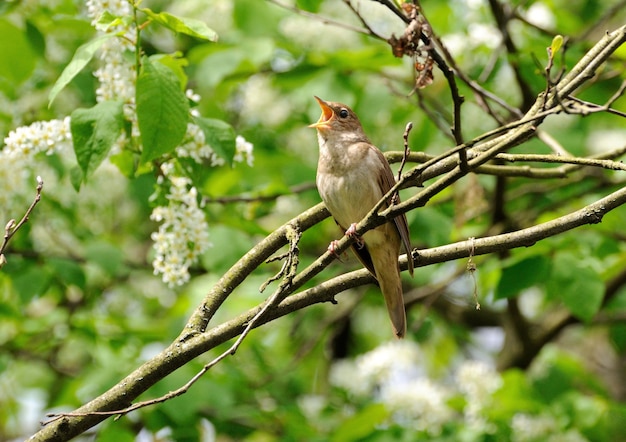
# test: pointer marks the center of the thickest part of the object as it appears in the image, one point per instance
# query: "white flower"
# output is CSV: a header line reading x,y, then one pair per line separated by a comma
x,y
42,136
541,15
312,405
262,104
183,234
392,374
542,428
389,363
243,151
344,374
396,360
194,146
116,75
477,381
419,404
116,7
527,428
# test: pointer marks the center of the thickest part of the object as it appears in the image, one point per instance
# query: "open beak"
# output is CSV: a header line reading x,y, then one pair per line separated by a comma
x,y
326,117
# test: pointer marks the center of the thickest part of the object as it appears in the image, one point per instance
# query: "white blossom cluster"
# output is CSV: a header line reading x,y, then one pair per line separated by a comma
x,y
41,136
477,381
194,146
418,404
116,75
542,428
261,103
183,232
244,151
393,374
20,147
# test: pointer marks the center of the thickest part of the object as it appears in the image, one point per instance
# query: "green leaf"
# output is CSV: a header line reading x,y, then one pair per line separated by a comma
x,y
17,57
522,275
219,135
176,64
31,281
578,286
106,256
108,20
256,18
309,5
125,162
557,42
162,110
361,424
76,177
36,38
94,131
82,56
68,272
431,220
515,396
189,26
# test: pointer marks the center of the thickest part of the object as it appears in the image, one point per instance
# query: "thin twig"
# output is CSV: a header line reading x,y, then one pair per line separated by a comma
x,y
300,188
325,20
294,235
12,227
407,149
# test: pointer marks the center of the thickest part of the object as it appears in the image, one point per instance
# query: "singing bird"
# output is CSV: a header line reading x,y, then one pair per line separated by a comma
x,y
352,176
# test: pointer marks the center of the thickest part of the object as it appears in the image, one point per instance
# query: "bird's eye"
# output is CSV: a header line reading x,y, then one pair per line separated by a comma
x,y
343,113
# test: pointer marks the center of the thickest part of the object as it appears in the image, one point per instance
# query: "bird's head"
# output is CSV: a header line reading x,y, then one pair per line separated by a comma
x,y
338,119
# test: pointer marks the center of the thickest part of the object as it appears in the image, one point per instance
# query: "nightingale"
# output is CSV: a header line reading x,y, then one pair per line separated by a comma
x,y
352,177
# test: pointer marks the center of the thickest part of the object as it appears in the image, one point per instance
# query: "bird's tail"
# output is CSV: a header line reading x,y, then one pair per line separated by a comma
x,y
385,259
391,287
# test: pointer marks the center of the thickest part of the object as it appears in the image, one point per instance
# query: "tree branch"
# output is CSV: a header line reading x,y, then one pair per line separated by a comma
x,y
197,338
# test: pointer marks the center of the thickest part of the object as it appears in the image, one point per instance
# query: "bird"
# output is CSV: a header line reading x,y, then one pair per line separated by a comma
x,y
352,177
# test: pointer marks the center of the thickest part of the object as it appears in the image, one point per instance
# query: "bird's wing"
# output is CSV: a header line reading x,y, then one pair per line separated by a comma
x,y
386,182
364,256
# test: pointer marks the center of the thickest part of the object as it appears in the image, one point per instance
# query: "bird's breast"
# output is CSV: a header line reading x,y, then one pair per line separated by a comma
x,y
349,186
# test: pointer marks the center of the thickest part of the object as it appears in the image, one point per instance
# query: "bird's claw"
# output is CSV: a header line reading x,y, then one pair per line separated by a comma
x,y
332,247
351,232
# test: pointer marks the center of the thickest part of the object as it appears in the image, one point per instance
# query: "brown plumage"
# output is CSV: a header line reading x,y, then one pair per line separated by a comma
x,y
352,176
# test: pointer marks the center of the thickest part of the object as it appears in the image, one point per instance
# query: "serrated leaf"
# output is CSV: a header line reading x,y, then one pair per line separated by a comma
x,y
94,131
189,26
219,135
577,286
162,110
81,57
176,64
522,275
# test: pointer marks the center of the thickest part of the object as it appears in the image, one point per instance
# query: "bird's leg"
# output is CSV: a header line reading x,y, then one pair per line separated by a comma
x,y
351,232
332,247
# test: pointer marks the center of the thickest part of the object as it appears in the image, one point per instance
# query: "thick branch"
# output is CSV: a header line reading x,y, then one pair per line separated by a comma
x,y
197,338
179,353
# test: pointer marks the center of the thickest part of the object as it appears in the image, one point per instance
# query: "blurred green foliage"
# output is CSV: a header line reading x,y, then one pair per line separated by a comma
x,y
80,307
